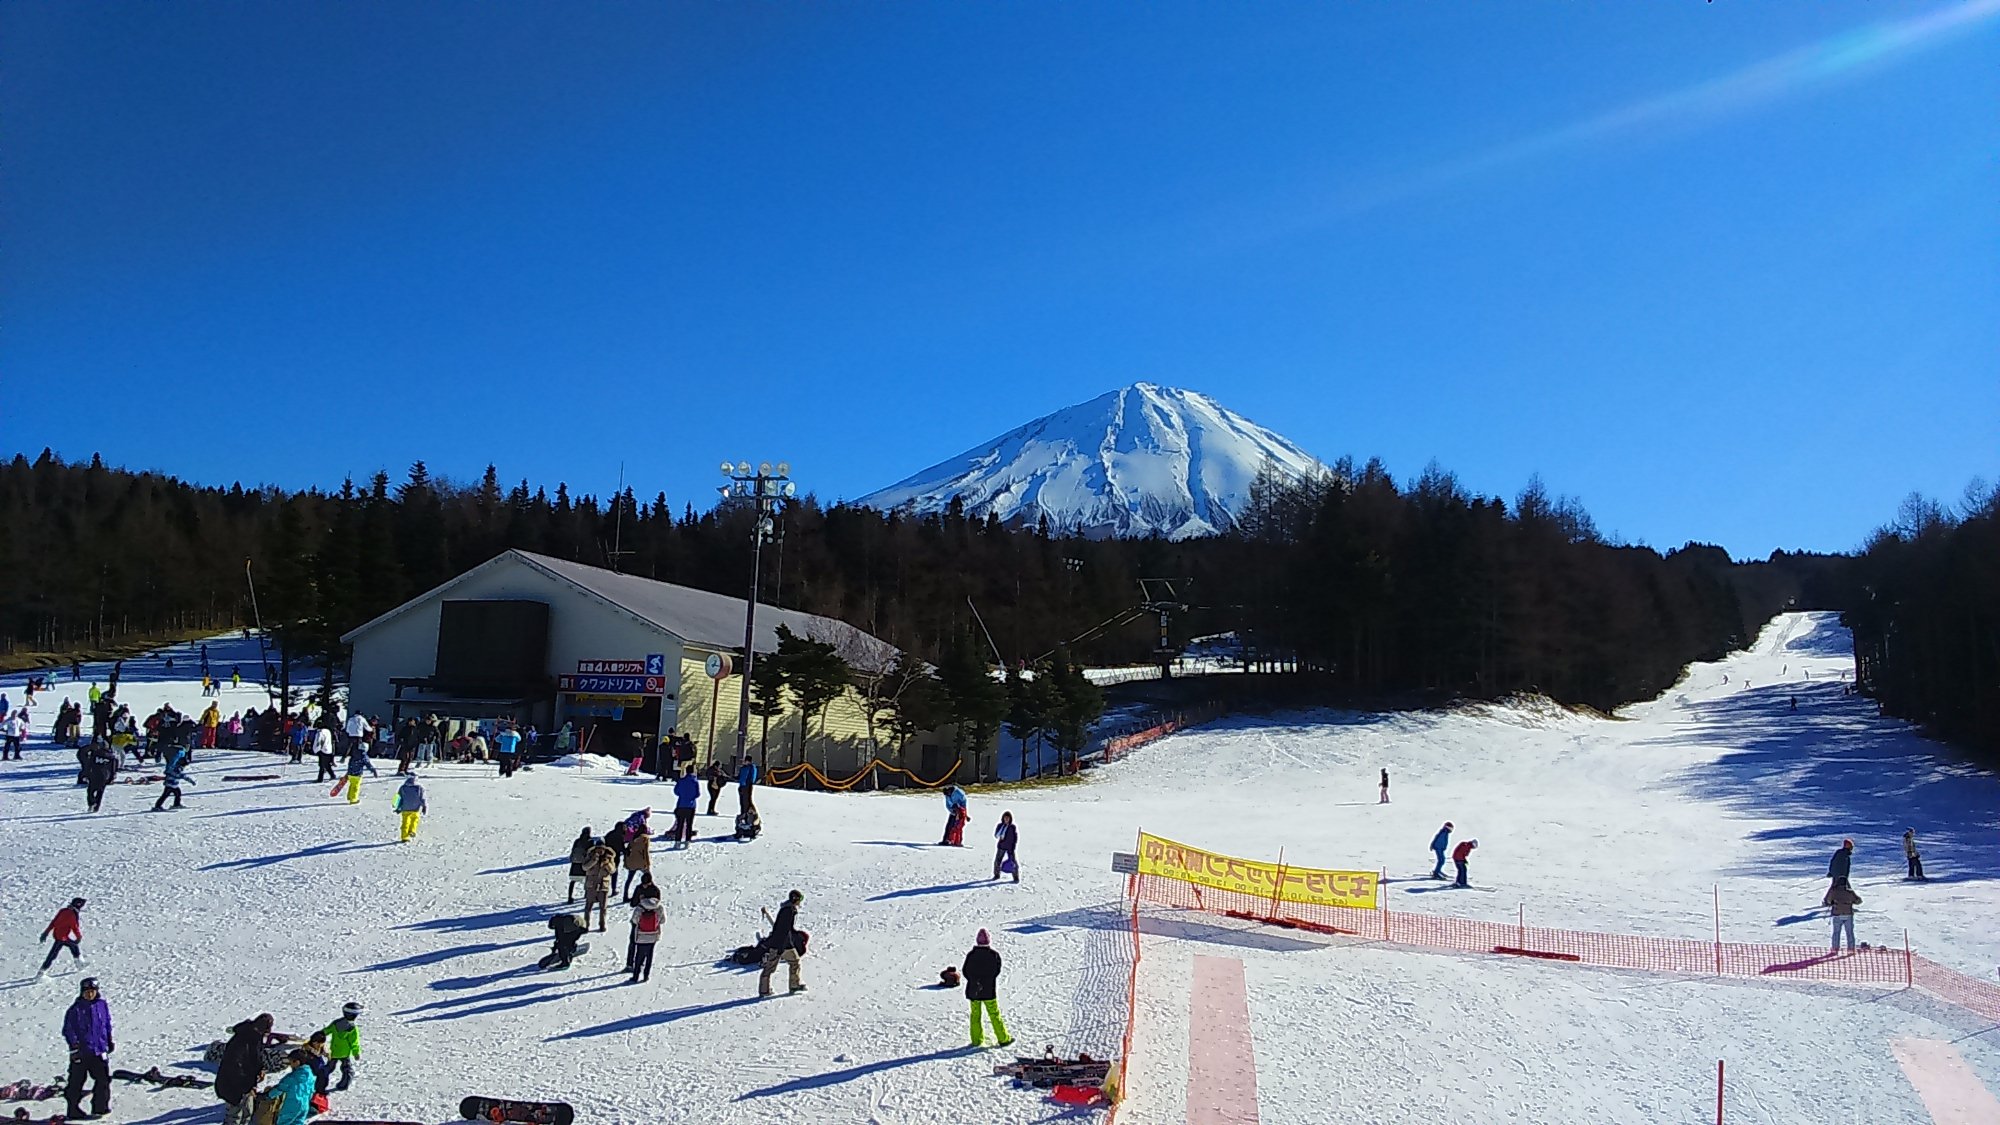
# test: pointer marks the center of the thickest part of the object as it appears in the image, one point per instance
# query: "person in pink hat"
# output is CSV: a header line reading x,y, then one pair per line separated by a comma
x,y
982,979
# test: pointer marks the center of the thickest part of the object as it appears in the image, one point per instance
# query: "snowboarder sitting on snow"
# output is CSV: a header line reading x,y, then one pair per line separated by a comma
x,y
1460,856
569,929
242,1069
748,824
1439,843
1910,853
1841,900
345,1039
1842,862
982,980
600,868
1006,838
783,944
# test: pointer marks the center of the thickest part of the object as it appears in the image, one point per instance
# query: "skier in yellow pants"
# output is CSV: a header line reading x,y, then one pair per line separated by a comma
x,y
357,763
982,978
353,790
410,803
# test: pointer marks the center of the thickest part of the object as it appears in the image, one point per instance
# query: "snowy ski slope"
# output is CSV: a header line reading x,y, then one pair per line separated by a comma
x,y
270,896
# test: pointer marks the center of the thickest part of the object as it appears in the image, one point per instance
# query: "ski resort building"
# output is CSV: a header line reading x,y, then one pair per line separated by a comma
x,y
621,658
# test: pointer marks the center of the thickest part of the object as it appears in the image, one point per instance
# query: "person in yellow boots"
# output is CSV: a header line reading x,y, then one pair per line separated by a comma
x,y
982,981
357,763
410,803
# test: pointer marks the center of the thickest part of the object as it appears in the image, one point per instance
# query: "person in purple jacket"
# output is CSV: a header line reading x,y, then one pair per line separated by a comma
x,y
86,1028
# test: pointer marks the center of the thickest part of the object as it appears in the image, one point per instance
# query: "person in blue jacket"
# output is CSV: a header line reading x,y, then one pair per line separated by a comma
x,y
1439,843
687,791
746,780
955,814
295,1090
176,777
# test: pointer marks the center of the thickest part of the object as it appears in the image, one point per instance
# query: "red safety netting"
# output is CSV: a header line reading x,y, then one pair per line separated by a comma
x,y
1131,1001
1897,967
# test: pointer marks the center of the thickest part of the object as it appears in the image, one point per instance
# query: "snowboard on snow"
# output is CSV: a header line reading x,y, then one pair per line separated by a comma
x,y
163,1080
548,962
27,1089
22,1115
1049,1071
249,777
502,1109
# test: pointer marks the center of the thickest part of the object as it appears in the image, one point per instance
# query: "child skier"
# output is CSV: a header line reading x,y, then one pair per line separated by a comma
x,y
1460,856
645,935
1006,838
982,978
176,777
410,803
67,930
357,764
345,1040
1439,843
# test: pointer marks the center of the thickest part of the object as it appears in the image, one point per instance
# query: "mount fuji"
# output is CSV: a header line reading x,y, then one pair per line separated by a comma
x,y
1140,460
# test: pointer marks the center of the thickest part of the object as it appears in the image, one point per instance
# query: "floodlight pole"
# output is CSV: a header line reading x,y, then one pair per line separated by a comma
x,y
767,489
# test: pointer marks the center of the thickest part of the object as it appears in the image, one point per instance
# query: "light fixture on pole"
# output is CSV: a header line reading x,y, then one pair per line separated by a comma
x,y
767,489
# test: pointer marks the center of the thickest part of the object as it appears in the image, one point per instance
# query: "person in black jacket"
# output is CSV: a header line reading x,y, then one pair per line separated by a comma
x,y
783,945
1842,862
242,1068
982,981
1006,839
99,768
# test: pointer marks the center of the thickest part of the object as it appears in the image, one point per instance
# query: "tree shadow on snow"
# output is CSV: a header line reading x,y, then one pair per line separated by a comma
x,y
941,888
836,1077
650,1019
417,960
1834,769
492,919
335,848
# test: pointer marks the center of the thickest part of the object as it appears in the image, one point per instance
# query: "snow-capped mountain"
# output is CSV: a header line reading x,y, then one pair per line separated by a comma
x,y
1140,460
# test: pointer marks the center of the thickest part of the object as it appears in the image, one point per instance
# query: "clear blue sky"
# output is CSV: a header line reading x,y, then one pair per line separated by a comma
x,y
1726,271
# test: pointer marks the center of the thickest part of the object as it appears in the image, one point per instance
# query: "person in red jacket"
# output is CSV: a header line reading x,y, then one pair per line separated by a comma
x,y
67,930
1459,856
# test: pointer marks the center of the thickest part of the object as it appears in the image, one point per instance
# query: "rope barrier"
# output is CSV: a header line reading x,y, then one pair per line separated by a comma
x,y
786,775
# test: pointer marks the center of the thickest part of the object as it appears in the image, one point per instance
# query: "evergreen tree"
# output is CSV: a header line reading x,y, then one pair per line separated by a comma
x,y
974,701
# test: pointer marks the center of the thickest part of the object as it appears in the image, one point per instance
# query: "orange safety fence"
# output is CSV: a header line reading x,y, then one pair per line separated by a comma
x,y
1117,746
786,775
1121,1083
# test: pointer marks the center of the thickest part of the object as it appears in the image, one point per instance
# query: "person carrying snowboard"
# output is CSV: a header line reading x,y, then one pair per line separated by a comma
x,y
1005,839
638,862
357,764
1916,861
1841,900
344,1039
783,945
646,921
955,815
410,803
600,870
1460,856
242,1069
687,791
176,776
569,930
1439,843
86,1027
67,930
982,978
579,851
1841,864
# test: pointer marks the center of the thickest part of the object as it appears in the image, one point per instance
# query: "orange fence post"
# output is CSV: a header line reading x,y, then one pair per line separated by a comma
x,y
1716,890
1909,968
1278,890
1718,1092
1521,926
1382,901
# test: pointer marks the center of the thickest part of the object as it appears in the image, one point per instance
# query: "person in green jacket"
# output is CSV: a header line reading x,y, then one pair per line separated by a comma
x,y
345,1038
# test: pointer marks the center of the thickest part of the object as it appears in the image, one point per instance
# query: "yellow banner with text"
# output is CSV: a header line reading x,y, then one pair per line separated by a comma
x,y
1282,882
